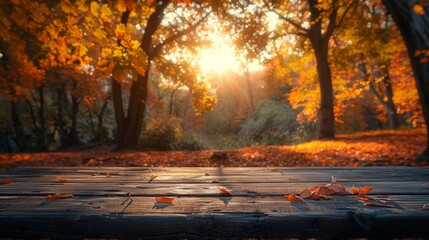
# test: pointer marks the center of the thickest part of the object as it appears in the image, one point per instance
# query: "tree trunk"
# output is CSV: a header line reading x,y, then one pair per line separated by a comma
x,y
392,115
326,114
415,31
17,125
319,44
60,120
74,136
42,122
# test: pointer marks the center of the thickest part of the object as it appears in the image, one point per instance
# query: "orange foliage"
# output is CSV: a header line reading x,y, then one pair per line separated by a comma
x,y
167,200
378,148
59,196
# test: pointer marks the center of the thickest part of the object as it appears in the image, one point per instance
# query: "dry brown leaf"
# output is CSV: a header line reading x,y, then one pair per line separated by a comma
x,y
293,198
60,180
108,175
306,193
5,181
325,191
215,181
59,196
168,200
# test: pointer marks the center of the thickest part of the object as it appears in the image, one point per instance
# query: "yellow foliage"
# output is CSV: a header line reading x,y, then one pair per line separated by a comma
x,y
100,34
95,9
82,50
106,52
117,53
81,6
105,11
120,31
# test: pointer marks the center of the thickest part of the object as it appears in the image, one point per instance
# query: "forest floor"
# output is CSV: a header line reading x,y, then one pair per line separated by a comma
x,y
378,148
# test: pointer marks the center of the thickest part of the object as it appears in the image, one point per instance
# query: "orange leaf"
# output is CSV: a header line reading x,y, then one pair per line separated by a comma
x,y
354,190
364,199
168,200
60,180
153,176
5,181
224,191
293,198
59,195
272,168
364,190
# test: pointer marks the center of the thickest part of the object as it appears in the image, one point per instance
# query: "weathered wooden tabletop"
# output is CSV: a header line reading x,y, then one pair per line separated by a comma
x,y
256,208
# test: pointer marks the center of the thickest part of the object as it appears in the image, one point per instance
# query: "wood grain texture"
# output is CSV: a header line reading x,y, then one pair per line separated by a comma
x,y
256,208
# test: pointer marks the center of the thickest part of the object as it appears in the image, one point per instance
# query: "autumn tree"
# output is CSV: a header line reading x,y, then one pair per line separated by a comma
x,y
316,21
412,20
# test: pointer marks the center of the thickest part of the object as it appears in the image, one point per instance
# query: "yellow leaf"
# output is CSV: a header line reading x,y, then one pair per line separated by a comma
x,y
153,176
106,52
100,34
419,9
95,9
135,44
117,53
120,31
105,11
81,6
82,50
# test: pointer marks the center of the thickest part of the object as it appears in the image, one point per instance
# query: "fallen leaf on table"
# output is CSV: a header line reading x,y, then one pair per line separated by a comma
x,y
168,200
224,191
306,193
215,181
323,190
5,181
153,176
60,180
59,196
272,168
293,198
364,190
360,191
108,175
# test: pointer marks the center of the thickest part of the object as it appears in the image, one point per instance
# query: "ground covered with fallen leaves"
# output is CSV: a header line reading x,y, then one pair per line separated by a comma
x,y
379,148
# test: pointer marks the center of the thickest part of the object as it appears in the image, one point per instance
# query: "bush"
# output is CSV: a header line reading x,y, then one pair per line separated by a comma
x,y
162,134
274,123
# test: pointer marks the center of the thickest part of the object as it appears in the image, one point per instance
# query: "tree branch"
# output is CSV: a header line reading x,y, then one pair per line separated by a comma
x,y
176,36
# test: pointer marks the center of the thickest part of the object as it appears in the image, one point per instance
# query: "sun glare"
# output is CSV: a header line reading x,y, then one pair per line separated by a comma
x,y
219,58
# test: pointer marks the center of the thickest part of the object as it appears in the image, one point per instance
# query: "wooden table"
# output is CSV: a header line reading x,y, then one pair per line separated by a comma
x,y
257,208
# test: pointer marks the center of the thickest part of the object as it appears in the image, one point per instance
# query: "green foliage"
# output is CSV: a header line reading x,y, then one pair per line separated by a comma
x,y
274,123
162,134
192,141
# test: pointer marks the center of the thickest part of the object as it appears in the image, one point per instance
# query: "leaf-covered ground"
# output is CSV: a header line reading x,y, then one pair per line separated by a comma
x,y
378,148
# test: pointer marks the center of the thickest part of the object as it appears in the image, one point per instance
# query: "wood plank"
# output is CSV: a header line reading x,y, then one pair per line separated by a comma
x,y
196,175
207,189
256,208
191,205
239,218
